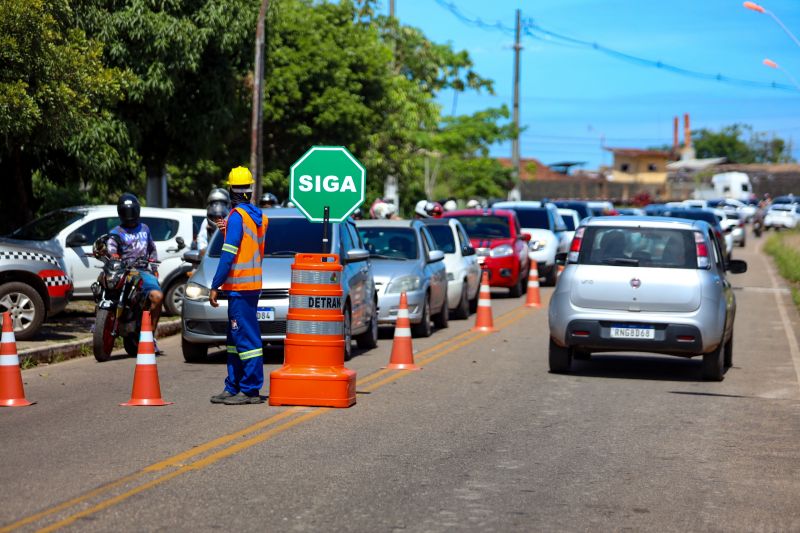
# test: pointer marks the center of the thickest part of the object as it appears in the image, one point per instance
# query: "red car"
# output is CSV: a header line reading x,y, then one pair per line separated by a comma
x,y
502,248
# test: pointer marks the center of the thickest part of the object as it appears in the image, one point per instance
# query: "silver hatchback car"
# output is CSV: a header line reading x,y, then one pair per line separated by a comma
x,y
288,233
644,284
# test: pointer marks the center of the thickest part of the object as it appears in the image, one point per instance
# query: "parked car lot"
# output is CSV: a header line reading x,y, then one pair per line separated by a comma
x,y
461,264
645,284
288,233
502,248
405,259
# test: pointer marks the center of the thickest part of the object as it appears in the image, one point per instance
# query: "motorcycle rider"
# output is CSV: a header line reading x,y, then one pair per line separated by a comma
x,y
218,206
135,242
268,200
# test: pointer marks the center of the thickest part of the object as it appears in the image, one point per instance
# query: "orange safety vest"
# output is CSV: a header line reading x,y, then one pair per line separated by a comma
x,y
245,273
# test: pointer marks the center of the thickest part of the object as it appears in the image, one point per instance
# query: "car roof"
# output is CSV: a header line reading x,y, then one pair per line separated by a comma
x,y
437,221
383,223
645,222
515,204
474,212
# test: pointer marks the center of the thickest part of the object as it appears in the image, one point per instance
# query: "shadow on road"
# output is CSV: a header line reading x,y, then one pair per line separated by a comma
x,y
639,367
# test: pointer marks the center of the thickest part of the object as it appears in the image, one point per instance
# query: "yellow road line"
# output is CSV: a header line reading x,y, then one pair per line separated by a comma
x,y
177,460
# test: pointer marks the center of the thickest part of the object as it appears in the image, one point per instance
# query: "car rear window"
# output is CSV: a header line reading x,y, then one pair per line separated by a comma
x,y
486,226
390,243
533,218
285,237
569,221
48,226
443,235
644,247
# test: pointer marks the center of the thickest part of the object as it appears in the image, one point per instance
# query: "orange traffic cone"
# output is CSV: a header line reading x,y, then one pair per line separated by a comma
x,y
483,319
146,388
402,351
534,299
560,271
12,393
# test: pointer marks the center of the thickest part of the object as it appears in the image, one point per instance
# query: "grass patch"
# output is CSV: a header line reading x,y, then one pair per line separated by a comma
x,y
784,247
27,362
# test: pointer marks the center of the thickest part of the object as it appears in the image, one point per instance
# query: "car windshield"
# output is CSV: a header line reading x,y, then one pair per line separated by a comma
x,y
486,227
642,247
443,235
48,226
580,207
285,237
569,221
782,207
390,243
533,217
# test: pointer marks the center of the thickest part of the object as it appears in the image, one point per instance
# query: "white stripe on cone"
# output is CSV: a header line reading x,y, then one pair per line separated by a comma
x,y
532,283
146,359
146,336
7,336
402,332
402,313
484,303
9,360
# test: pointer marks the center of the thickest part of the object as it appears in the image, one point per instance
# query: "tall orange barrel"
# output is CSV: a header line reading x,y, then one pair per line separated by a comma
x,y
313,371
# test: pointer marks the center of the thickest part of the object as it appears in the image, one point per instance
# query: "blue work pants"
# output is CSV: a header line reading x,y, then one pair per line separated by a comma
x,y
245,351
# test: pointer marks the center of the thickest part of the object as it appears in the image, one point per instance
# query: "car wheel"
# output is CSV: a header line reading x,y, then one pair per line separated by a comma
x,y
26,307
194,353
473,304
423,329
348,333
714,365
173,299
560,358
369,339
728,355
552,277
516,290
442,318
461,311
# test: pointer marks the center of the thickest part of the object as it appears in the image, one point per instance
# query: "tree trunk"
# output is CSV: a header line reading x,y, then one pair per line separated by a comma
x,y
16,182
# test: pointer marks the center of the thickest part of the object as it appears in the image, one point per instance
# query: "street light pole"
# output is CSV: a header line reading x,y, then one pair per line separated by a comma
x,y
761,9
257,114
772,64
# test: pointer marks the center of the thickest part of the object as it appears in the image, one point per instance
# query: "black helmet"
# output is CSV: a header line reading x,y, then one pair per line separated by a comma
x,y
268,200
128,209
216,211
218,195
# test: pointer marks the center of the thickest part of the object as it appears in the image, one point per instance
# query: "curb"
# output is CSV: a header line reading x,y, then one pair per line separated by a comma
x,y
56,353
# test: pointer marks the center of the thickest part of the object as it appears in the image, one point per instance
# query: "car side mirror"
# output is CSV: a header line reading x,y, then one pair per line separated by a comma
x,y
192,256
77,239
435,255
181,243
355,255
525,237
467,251
736,266
561,258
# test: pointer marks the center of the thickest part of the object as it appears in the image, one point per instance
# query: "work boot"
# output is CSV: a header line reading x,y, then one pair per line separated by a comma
x,y
242,399
220,398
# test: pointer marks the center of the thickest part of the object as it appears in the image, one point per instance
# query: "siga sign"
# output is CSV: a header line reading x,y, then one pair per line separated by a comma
x,y
327,176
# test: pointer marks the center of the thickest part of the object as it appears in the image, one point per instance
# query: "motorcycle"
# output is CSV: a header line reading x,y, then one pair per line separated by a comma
x,y
120,302
758,223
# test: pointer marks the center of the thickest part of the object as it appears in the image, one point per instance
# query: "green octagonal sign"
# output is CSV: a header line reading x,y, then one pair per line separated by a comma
x,y
327,176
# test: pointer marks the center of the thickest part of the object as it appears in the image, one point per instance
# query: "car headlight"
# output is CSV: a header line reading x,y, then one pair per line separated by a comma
x,y
537,245
195,291
404,284
504,250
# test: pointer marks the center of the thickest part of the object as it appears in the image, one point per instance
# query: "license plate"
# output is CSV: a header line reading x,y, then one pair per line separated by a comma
x,y
266,314
633,332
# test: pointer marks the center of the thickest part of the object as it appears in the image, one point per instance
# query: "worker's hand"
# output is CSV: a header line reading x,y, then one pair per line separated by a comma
x,y
212,298
222,224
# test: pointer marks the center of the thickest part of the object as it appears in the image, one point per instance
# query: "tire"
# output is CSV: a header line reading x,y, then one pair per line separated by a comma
x,y
131,344
26,307
348,336
442,318
194,353
461,311
173,298
551,278
424,328
581,355
473,304
102,340
714,365
517,289
560,358
369,339
728,353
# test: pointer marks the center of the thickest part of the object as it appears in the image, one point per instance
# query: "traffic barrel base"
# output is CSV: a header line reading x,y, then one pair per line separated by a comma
x,y
12,391
146,387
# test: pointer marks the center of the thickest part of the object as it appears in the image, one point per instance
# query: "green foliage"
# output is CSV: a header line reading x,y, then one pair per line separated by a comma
x,y
784,248
739,144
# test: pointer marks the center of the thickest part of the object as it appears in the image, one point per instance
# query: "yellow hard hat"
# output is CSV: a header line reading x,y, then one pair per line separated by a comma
x,y
240,177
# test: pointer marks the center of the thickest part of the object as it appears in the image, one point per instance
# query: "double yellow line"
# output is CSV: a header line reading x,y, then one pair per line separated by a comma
x,y
181,462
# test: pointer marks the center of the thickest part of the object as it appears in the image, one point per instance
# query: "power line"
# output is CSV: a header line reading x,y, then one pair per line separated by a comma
x,y
535,31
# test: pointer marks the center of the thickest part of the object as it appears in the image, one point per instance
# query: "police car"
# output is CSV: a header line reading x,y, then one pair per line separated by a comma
x,y
33,285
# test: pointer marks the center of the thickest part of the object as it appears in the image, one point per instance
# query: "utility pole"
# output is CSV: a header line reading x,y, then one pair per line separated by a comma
x,y
516,193
257,117
391,8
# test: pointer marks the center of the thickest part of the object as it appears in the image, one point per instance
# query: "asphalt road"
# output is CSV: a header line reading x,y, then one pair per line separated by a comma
x,y
482,439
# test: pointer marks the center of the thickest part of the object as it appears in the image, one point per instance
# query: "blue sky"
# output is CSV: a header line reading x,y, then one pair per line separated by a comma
x,y
571,96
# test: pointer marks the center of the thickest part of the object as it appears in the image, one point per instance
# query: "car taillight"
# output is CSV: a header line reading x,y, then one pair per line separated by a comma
x,y
575,247
701,248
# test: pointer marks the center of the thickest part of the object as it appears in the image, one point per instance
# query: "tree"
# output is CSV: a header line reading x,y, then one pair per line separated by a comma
x,y
739,144
55,94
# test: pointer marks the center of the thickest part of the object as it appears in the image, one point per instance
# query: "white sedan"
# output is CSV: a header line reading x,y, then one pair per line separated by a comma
x,y
782,216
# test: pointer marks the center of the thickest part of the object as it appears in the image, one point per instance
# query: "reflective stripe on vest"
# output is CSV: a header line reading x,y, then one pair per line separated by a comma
x,y
245,273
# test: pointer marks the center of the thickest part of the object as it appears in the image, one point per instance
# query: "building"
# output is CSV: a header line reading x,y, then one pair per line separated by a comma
x,y
637,169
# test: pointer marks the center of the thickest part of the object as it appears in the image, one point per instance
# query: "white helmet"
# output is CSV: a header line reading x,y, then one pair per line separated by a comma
x,y
383,210
473,204
421,209
450,205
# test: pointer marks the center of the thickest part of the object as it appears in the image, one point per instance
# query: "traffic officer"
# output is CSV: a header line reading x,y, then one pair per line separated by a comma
x,y
239,275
